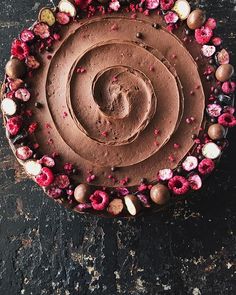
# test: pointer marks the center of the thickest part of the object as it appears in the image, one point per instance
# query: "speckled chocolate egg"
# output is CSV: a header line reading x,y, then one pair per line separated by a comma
x,y
216,132
81,193
15,68
196,19
224,72
160,194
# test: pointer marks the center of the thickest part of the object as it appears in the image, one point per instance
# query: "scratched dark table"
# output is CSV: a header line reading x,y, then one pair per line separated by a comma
x,y
46,249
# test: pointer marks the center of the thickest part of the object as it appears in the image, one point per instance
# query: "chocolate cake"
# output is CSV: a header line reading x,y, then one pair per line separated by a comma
x,y
118,108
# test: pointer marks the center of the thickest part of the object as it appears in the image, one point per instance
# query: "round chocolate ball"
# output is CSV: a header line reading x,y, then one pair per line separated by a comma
x,y
160,194
224,72
81,193
216,132
15,68
196,19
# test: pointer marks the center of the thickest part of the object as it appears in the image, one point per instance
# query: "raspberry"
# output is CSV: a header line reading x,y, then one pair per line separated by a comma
x,y
99,200
214,110
203,35
22,94
122,191
62,181
62,18
152,4
227,120
208,50
114,5
15,84
42,30
47,161
26,35
24,153
144,200
171,17
211,23
19,49
165,174
32,62
195,182
228,87
167,4
217,41
190,163
206,166
32,127
179,185
14,125
45,178
54,192
68,168
229,109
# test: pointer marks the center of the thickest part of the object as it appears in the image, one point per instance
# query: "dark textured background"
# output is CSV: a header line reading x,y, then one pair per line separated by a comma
x,y
45,249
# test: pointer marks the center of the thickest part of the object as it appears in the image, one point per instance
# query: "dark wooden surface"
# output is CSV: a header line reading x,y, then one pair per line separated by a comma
x,y
45,249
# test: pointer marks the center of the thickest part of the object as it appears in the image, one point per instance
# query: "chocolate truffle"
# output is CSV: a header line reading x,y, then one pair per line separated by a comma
x,y
224,72
196,19
81,193
216,132
115,207
160,194
15,68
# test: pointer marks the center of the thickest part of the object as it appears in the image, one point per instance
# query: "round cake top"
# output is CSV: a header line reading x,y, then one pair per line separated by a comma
x,y
118,108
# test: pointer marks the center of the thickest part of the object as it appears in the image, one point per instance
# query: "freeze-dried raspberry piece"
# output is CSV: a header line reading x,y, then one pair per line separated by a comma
x,y
42,30
166,4
19,49
22,94
32,62
165,174
62,181
195,182
62,18
99,200
152,4
227,120
26,35
45,178
190,163
47,161
54,192
206,166
24,153
14,125
179,185
203,35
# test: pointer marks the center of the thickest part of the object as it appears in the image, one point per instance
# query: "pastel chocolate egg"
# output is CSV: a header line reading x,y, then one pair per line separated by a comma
x,y
196,19
211,151
160,194
182,8
15,68
81,193
67,6
216,132
224,72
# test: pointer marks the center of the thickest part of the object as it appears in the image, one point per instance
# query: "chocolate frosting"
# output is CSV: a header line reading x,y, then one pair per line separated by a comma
x,y
115,100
